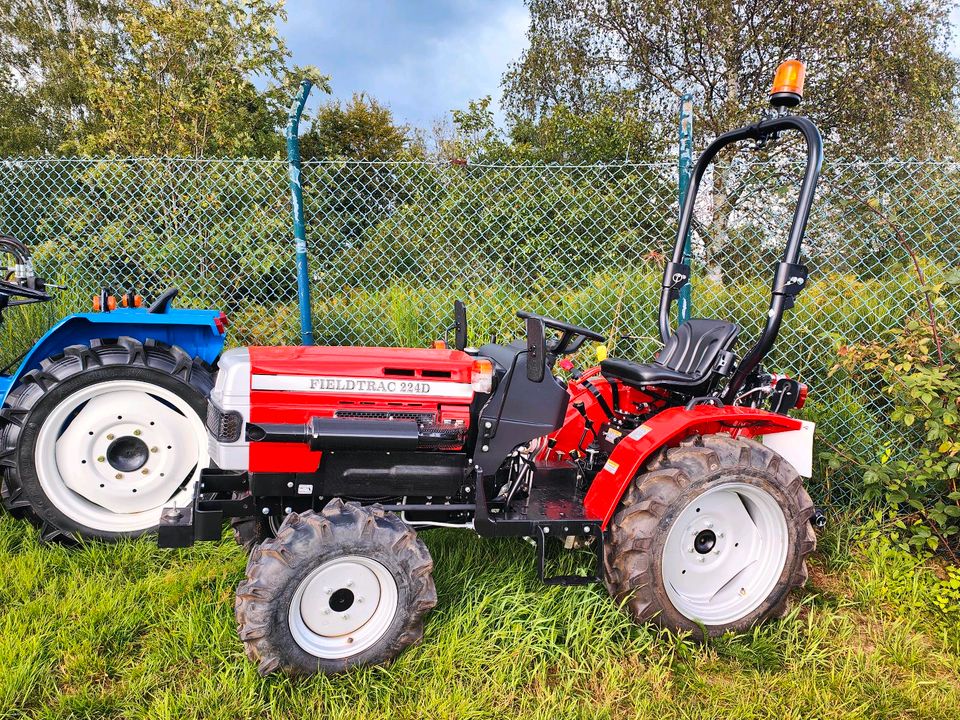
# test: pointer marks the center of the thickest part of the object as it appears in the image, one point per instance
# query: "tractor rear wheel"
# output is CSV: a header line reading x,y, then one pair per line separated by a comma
x,y
98,439
711,537
344,587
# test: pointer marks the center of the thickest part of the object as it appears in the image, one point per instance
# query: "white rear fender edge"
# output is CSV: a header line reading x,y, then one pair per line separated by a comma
x,y
232,394
795,446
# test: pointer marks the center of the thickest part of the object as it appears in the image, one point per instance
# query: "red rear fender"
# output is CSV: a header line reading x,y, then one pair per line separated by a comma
x,y
667,429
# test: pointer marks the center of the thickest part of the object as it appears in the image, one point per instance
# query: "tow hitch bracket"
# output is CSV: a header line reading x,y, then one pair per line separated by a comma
x,y
542,533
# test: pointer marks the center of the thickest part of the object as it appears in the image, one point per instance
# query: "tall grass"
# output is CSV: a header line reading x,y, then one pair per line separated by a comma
x,y
130,631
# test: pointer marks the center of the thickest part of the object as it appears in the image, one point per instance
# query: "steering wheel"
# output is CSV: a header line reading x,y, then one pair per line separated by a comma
x,y
571,336
13,289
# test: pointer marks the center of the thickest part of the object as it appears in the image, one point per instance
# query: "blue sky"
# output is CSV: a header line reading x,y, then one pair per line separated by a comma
x,y
421,58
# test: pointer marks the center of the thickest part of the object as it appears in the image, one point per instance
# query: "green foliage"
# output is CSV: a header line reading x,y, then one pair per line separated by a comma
x,y
947,594
919,470
881,76
44,48
361,129
475,136
561,135
140,77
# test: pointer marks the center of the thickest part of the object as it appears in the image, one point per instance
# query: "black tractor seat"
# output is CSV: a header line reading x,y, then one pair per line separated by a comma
x,y
694,356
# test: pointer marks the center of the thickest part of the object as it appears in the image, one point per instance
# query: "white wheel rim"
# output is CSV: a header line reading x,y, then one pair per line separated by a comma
x,y
343,607
725,553
115,422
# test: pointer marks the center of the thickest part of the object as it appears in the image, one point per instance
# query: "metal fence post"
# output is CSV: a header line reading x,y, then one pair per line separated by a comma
x,y
296,198
684,166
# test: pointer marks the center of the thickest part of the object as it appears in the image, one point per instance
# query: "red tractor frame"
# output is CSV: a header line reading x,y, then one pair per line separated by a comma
x,y
329,461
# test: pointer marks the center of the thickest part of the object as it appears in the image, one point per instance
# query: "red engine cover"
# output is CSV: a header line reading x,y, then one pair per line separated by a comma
x,y
292,384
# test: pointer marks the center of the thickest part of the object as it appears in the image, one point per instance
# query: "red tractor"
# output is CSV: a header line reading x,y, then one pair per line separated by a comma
x,y
682,476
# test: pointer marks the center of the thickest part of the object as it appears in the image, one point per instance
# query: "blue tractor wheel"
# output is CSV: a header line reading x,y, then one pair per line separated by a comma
x,y
97,439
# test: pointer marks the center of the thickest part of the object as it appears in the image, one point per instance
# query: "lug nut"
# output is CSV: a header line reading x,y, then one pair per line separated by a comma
x,y
154,449
346,616
110,436
101,458
145,471
136,432
288,510
265,511
349,583
119,476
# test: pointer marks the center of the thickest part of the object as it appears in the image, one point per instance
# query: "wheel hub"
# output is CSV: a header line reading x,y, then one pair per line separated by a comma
x,y
127,454
116,449
705,541
724,553
343,607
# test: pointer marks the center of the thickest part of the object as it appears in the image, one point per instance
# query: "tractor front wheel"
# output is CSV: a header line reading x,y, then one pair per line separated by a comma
x,y
711,537
345,587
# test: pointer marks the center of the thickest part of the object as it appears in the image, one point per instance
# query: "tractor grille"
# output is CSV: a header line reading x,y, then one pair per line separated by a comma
x,y
442,437
421,417
225,426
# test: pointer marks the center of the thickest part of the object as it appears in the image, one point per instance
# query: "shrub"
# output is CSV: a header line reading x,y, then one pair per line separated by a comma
x,y
917,471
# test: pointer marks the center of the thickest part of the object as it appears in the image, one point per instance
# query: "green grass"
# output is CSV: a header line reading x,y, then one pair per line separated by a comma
x,y
131,631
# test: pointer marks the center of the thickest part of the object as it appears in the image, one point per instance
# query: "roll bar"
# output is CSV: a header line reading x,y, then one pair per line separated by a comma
x,y
790,276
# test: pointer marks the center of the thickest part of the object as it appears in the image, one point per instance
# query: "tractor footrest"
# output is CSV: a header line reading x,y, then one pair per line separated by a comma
x,y
588,532
182,527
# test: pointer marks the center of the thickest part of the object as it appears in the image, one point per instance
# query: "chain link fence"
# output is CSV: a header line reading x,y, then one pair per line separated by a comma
x,y
393,244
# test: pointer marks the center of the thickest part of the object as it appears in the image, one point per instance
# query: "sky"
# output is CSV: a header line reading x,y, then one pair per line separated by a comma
x,y
421,58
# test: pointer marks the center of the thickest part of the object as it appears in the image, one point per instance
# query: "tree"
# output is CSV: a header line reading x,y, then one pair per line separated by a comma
x,y
881,79
558,135
361,129
145,77
43,68
347,198
606,135
184,84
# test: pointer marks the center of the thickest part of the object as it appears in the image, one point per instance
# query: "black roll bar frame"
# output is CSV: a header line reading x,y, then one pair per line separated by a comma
x,y
790,276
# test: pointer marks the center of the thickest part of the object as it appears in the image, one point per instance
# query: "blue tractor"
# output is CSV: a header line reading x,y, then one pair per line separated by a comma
x,y
103,420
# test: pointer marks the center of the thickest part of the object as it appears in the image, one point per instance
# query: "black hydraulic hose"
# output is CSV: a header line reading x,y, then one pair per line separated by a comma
x,y
15,248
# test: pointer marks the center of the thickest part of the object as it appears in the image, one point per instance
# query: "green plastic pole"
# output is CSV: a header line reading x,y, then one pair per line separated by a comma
x,y
296,197
685,166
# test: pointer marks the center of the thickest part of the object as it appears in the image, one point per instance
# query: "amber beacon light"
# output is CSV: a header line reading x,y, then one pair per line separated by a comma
x,y
787,90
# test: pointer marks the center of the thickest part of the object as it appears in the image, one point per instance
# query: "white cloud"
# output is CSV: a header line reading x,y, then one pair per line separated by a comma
x,y
421,57
449,70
